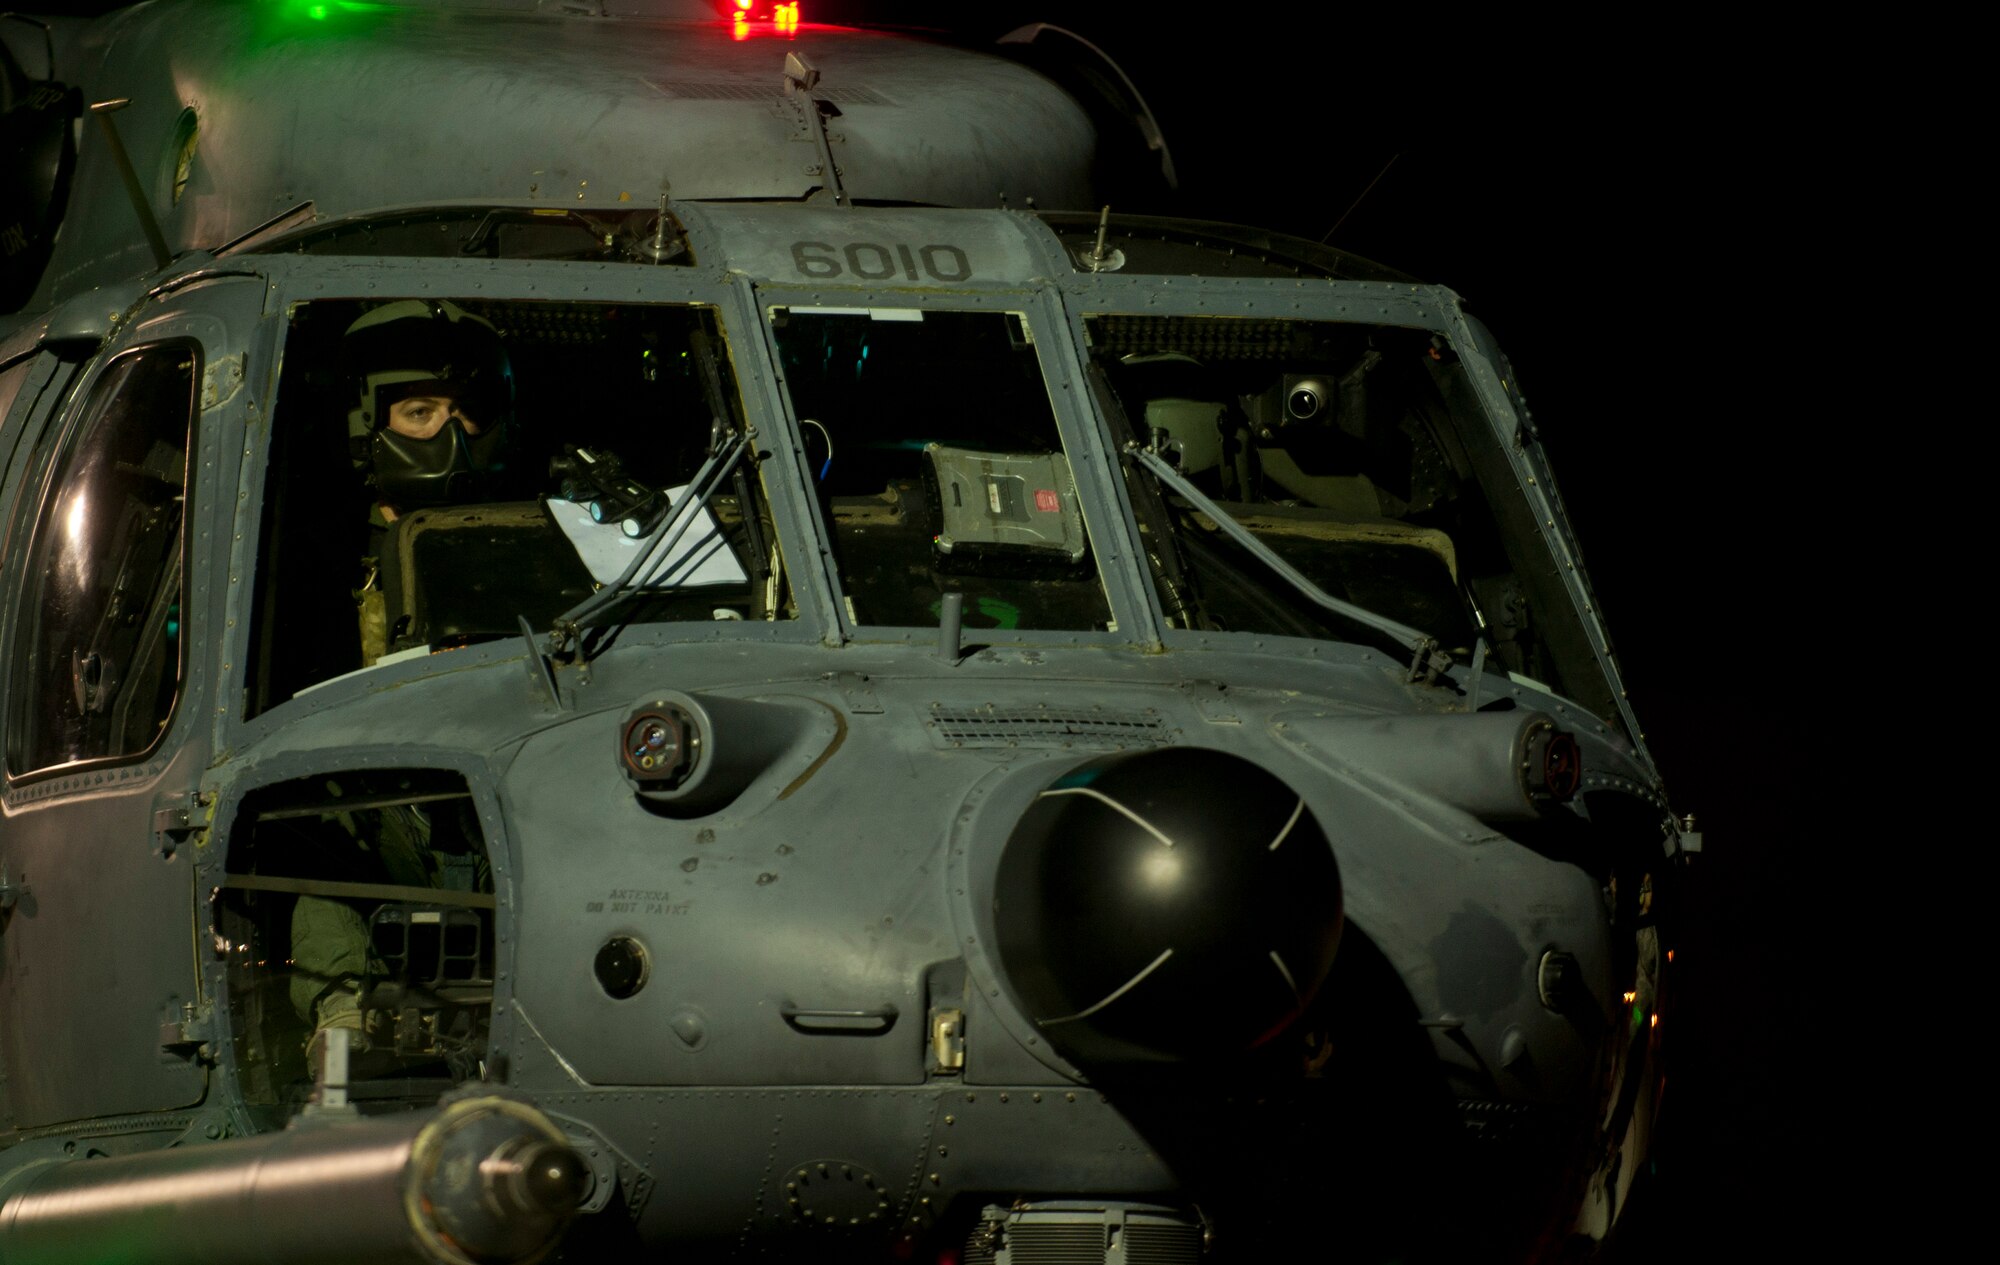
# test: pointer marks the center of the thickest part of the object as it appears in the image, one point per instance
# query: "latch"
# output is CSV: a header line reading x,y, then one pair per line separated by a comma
x,y
948,1041
185,1030
10,891
175,817
221,379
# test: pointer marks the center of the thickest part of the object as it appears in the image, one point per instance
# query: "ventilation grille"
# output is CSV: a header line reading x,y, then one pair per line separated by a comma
x,y
990,726
1056,1245
1162,1245
1028,1243
683,90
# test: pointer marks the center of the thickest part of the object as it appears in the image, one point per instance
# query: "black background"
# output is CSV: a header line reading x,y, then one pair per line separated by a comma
x,y
1621,198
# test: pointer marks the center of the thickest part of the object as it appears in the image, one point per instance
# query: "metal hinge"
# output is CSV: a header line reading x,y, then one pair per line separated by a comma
x,y
1428,663
175,817
221,379
185,1030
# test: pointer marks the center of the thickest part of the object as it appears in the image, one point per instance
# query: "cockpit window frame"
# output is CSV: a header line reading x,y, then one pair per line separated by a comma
x,y
1077,425
1431,308
295,280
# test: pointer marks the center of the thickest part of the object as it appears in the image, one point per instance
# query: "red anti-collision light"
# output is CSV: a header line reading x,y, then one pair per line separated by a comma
x,y
783,17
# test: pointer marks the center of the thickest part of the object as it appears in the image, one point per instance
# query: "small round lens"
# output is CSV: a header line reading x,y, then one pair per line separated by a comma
x,y
621,967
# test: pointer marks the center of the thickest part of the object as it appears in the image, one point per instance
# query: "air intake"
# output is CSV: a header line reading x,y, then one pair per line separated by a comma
x,y
1083,1234
1095,728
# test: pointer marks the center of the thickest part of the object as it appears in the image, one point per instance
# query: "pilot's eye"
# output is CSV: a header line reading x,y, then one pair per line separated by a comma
x,y
421,418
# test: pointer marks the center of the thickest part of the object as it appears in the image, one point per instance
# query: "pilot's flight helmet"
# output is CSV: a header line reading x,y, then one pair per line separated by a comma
x,y
419,347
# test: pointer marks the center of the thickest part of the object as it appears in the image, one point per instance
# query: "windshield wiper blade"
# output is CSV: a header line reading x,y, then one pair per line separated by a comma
x,y
1429,660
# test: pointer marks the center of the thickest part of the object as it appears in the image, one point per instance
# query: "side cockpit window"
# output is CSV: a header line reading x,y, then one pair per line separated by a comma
x,y
1360,458
97,655
442,469
361,901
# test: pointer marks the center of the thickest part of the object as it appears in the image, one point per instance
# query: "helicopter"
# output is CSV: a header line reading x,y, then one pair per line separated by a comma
x,y
641,627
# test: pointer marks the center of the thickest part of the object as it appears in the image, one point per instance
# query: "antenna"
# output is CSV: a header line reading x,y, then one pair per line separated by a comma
x,y
1357,202
1099,259
800,78
103,110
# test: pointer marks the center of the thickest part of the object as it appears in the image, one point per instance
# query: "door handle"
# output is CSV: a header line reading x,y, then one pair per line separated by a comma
x,y
841,1023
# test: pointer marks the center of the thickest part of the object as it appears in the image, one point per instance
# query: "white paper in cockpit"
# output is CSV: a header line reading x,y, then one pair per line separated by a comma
x,y
700,556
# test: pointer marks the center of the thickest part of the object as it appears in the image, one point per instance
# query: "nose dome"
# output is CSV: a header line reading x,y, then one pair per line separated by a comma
x,y
1163,905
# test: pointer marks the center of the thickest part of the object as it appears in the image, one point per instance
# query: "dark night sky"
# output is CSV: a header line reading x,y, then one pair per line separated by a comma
x,y
1613,210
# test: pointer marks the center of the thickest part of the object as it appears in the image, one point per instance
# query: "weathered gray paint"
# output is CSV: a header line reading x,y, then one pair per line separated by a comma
x,y
558,110
868,884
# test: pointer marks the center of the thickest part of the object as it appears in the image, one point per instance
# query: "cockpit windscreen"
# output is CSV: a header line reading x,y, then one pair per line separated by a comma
x,y
442,469
1357,455
939,467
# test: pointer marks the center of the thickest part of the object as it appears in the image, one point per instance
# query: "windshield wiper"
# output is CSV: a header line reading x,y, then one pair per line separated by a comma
x,y
658,556
1180,596
726,446
1428,662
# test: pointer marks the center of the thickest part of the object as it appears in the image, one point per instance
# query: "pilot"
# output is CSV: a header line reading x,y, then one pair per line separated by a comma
x,y
431,424
434,394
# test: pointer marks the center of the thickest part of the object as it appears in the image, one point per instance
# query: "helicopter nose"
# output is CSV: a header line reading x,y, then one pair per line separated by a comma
x,y
1166,905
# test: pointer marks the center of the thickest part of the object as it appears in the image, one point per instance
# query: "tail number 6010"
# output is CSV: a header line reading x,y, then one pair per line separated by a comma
x,y
868,261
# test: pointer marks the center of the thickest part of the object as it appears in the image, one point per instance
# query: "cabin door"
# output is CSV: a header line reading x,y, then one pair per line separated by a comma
x,y
120,499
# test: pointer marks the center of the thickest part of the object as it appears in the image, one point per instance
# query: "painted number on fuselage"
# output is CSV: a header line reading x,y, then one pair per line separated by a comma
x,y
870,261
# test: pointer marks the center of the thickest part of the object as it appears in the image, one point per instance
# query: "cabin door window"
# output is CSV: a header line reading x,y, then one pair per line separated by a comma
x,y
97,651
